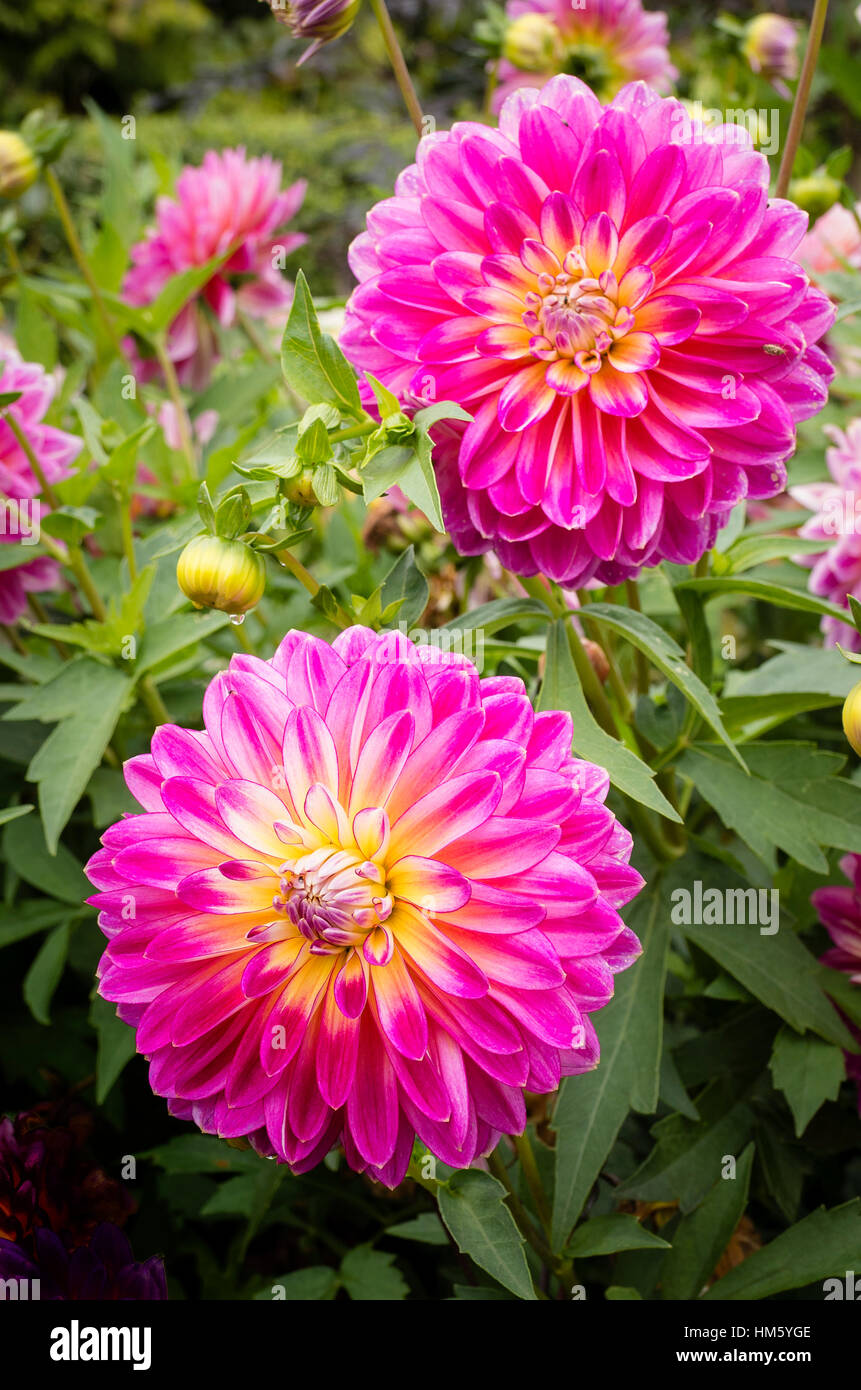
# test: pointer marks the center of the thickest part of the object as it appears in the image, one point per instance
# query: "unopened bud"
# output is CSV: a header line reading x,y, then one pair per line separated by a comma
x,y
18,165
598,658
318,20
852,718
816,193
533,43
222,574
771,46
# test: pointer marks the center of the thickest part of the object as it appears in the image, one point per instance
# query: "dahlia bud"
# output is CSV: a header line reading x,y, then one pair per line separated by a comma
x,y
816,193
18,166
300,489
533,43
771,46
852,718
320,20
598,658
224,574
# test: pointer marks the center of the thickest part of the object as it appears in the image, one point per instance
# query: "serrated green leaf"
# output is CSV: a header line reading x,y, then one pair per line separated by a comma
x,y
312,363
607,1235
472,1205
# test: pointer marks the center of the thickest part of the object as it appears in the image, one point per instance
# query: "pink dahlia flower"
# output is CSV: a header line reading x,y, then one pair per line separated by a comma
x,y
839,909
375,898
836,573
611,293
21,510
605,42
833,242
228,200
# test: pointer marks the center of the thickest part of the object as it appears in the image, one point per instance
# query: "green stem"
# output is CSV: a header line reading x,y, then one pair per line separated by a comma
x,y
83,264
261,348
353,431
124,506
529,1166
802,98
632,594
186,438
158,710
399,65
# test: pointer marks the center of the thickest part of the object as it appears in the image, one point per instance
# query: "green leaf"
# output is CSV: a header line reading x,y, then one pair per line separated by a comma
x,y
314,1284
14,813
28,918
751,550
688,1154
44,974
503,612
116,1046
71,524
561,690
369,1276
606,1235
592,1108
313,364
781,597
771,806
666,655
59,876
425,1228
64,763
778,970
203,1153
825,1243
472,1205
701,1237
808,1071
406,585
618,1293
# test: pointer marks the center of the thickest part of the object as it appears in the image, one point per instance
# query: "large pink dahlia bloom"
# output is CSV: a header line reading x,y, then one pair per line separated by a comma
x,y
605,42
228,199
375,898
836,521
839,910
611,293
19,487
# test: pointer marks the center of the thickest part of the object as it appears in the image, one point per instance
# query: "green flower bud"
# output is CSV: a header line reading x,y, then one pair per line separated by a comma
x,y
816,193
18,165
222,574
852,718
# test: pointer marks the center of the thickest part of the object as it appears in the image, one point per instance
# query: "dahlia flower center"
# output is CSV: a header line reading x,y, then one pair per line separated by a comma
x,y
575,314
337,899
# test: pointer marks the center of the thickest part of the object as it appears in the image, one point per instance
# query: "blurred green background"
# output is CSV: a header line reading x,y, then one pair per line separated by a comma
x,y
198,74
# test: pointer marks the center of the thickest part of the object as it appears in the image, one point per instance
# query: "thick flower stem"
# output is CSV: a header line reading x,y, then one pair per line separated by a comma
x,y
802,97
77,250
526,1155
399,65
519,1212
158,710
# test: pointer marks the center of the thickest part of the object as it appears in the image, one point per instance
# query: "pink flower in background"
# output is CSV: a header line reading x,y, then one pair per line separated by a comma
x,y
833,242
605,42
55,451
375,898
611,293
836,573
228,199
839,909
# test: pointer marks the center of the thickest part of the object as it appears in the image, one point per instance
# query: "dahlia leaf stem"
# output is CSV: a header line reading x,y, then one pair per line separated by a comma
x,y
802,98
399,65
155,705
